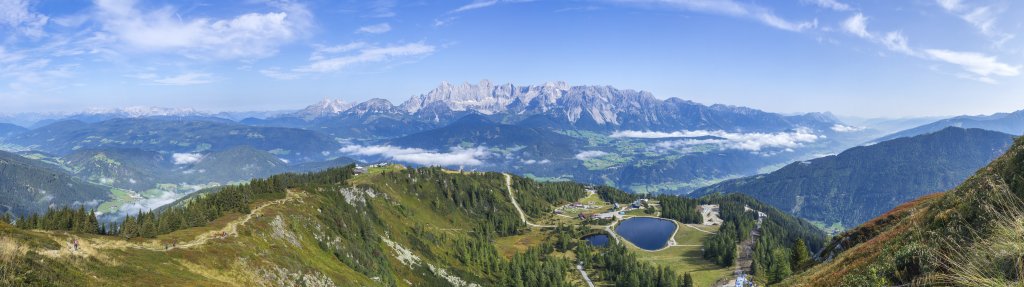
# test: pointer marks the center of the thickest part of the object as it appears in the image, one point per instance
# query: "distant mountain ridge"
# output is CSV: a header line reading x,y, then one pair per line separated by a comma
x,y
175,135
1011,123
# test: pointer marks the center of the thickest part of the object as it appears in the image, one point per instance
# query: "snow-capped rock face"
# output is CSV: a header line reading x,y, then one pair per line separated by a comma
x,y
601,104
324,108
373,106
597,107
143,111
484,98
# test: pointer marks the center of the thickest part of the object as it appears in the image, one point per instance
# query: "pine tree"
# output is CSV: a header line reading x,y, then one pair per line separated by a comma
x,y
687,280
801,257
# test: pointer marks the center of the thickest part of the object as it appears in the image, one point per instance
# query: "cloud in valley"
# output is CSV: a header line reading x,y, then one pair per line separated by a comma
x,y
147,204
455,156
186,158
727,140
590,154
845,128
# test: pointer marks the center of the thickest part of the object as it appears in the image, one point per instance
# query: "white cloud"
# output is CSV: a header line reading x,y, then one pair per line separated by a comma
x,y
982,17
475,5
727,140
456,156
857,25
278,74
382,8
368,55
375,29
831,4
322,51
896,42
585,155
976,63
251,35
728,8
186,158
184,79
533,161
16,15
949,5
845,129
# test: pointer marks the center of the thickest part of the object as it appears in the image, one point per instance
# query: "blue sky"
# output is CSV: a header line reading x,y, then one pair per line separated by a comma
x,y
867,58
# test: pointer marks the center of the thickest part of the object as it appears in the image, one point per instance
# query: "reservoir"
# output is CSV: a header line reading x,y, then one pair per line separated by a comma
x,y
646,232
599,240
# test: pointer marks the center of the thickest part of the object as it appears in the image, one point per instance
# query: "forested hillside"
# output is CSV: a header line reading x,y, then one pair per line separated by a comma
x,y
28,186
863,182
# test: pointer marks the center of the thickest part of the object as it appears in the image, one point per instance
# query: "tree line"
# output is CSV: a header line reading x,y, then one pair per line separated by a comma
x,y
680,209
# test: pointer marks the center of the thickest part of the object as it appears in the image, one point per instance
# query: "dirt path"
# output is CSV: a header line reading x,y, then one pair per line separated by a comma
x,y
512,195
89,246
584,273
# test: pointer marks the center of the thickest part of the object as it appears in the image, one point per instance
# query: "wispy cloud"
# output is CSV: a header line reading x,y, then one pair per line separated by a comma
x,y
982,17
17,15
728,8
455,157
981,65
949,5
366,54
830,4
276,73
375,29
184,79
728,140
475,5
383,8
857,25
251,35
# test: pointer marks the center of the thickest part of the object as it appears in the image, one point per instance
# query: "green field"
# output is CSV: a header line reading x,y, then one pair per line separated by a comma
x,y
684,259
118,197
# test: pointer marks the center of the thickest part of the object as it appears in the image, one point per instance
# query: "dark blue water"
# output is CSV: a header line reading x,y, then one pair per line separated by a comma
x,y
645,232
599,240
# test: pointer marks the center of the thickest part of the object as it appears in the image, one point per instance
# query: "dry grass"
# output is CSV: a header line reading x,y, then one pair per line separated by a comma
x,y
10,252
996,258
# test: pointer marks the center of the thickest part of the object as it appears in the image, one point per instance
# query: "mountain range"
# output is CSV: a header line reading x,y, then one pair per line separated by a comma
x,y
1010,123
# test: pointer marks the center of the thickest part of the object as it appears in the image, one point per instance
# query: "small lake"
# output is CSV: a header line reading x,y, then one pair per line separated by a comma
x,y
646,232
599,240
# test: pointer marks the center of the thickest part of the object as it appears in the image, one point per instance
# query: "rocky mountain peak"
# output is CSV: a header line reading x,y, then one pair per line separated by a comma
x,y
326,107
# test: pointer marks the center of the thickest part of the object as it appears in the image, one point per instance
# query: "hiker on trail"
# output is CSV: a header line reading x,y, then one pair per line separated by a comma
x,y
76,244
